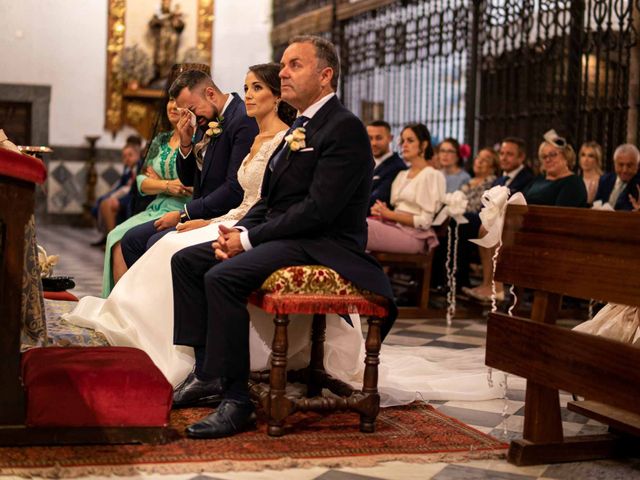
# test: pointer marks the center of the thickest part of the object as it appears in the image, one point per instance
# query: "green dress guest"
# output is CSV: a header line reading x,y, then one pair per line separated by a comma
x,y
171,196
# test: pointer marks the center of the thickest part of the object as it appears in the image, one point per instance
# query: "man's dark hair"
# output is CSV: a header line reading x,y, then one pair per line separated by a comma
x,y
379,123
522,146
325,52
190,79
134,141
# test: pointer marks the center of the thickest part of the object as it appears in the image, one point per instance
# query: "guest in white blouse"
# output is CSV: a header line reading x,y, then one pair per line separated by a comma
x,y
416,197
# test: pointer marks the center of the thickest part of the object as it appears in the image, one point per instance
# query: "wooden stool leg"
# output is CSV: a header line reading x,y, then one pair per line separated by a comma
x,y
316,365
278,405
370,384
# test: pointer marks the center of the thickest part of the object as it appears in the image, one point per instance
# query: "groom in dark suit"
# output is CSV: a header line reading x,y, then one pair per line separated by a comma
x,y
209,164
315,198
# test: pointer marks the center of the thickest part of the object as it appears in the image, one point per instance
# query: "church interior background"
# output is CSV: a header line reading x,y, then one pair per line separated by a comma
x,y
79,77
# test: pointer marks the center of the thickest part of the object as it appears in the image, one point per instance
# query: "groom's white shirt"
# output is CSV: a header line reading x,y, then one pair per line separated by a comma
x,y
309,113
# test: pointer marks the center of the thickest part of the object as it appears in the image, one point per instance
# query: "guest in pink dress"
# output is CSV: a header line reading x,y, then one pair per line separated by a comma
x,y
417,195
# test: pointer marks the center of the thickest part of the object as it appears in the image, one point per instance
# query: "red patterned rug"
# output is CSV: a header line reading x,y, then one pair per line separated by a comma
x,y
413,433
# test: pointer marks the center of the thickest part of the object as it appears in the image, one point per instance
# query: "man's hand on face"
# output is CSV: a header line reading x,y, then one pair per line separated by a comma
x,y
185,128
168,220
228,244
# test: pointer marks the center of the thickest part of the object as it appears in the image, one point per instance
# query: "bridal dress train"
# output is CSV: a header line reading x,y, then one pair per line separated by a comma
x,y
139,313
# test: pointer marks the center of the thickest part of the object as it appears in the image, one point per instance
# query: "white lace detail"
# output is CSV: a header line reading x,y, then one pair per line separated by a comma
x,y
250,176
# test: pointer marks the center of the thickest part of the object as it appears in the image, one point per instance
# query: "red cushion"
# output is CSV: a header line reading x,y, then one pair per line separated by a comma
x,y
94,386
23,167
64,296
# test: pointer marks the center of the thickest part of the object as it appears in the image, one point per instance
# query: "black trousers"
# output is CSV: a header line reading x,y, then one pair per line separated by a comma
x,y
210,300
139,239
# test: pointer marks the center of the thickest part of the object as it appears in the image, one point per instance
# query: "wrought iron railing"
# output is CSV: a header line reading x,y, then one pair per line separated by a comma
x,y
480,70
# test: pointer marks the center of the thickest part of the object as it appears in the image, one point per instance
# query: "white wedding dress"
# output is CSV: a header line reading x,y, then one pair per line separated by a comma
x,y
139,313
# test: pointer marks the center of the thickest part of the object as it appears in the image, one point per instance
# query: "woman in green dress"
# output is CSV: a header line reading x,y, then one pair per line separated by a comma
x,y
160,178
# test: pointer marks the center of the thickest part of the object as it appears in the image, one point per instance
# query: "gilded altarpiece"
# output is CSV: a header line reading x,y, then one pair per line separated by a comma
x,y
137,107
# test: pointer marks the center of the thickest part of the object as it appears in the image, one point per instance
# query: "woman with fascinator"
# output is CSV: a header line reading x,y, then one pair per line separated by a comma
x,y
557,185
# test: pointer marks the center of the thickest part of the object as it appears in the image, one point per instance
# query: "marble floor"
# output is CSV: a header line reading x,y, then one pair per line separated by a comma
x,y
502,418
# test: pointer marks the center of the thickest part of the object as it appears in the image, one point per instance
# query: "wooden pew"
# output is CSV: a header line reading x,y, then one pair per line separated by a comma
x,y
421,264
585,254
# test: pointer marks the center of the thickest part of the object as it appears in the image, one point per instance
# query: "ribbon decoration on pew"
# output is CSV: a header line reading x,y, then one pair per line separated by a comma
x,y
494,208
455,205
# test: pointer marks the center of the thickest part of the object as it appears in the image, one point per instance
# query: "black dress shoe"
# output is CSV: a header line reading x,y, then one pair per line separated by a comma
x,y
194,392
230,417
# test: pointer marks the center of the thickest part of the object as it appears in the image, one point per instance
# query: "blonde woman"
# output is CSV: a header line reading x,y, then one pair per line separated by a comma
x,y
590,161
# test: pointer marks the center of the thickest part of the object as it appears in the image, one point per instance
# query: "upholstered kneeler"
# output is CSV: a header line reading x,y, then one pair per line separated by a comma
x,y
94,387
317,290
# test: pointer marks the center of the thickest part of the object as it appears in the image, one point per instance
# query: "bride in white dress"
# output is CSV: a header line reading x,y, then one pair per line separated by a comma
x,y
139,311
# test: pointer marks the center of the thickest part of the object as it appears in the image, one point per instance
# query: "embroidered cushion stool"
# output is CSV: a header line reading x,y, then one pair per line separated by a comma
x,y
318,290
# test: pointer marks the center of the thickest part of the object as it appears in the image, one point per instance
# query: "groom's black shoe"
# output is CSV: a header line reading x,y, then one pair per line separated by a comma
x,y
194,392
230,417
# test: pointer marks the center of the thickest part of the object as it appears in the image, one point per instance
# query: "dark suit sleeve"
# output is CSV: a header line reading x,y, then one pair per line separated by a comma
x,y
601,193
229,194
186,168
254,216
382,190
344,158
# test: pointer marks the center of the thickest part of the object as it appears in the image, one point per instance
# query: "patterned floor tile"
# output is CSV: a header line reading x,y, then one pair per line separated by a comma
x,y
459,338
472,417
341,475
462,472
599,470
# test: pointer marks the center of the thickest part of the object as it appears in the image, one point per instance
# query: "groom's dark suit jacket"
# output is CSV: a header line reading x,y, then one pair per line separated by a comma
x,y
216,189
319,196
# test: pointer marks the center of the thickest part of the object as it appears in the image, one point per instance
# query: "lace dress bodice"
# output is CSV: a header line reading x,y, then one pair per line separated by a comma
x,y
250,176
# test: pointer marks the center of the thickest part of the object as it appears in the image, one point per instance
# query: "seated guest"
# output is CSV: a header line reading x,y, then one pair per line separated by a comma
x,y
210,165
416,196
615,188
114,206
516,175
160,179
387,163
485,167
451,164
590,160
558,185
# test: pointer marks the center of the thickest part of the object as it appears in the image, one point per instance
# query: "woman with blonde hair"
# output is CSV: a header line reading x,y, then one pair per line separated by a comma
x,y
590,161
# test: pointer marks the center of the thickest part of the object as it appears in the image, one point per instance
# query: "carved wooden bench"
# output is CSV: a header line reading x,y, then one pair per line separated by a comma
x,y
585,254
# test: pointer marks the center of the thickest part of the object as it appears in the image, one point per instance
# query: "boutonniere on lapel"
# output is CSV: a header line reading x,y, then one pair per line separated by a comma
x,y
295,140
215,127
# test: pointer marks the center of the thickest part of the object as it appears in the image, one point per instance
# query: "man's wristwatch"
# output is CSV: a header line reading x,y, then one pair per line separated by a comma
x,y
184,217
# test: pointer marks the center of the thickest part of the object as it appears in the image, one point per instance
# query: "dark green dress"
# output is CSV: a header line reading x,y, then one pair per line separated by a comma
x,y
564,192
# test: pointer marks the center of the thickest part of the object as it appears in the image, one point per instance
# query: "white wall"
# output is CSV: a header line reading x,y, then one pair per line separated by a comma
x,y
62,43
241,38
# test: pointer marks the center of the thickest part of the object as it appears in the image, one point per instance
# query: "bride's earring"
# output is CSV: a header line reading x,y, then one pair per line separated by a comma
x,y
275,109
